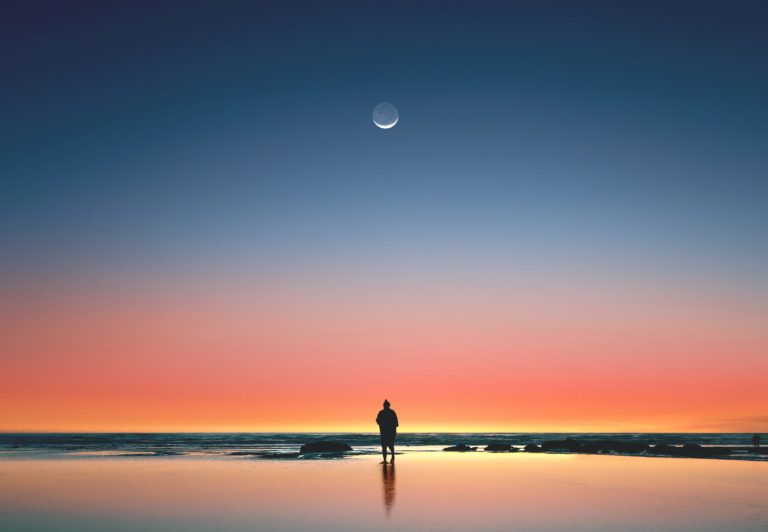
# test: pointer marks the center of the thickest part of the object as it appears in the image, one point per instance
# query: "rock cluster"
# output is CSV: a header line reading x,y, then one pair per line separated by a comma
x,y
689,449
460,448
601,446
533,448
570,445
324,447
500,448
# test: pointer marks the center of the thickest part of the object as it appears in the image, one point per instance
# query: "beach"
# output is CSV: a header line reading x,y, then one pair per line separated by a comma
x,y
427,489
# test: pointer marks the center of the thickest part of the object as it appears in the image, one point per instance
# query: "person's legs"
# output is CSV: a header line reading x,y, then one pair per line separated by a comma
x,y
384,451
392,450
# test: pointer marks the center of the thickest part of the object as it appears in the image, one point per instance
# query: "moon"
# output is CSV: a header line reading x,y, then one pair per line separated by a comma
x,y
385,115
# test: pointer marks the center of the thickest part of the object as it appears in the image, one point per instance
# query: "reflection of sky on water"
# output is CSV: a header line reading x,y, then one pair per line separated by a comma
x,y
441,491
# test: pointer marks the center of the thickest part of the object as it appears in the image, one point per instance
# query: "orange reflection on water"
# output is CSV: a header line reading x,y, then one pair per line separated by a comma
x,y
436,490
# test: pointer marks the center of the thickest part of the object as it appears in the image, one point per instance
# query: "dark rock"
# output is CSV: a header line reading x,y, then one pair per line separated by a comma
x,y
590,447
694,449
689,450
600,446
533,448
663,448
621,446
460,448
717,451
569,444
324,447
500,447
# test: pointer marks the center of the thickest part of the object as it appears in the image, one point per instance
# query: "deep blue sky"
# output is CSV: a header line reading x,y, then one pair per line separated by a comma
x,y
603,136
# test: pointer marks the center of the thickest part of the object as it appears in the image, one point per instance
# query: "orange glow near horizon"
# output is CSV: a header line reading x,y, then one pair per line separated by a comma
x,y
321,357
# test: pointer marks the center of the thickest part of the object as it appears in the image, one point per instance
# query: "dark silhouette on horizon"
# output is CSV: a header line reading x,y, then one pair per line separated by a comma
x,y
387,421
756,441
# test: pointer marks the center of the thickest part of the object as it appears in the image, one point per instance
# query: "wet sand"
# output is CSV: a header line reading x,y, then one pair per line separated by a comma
x,y
424,491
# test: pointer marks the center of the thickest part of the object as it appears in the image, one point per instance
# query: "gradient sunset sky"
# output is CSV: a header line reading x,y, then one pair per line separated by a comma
x,y
202,229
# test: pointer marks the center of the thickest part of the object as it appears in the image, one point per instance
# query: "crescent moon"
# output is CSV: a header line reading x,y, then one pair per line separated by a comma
x,y
385,115
387,126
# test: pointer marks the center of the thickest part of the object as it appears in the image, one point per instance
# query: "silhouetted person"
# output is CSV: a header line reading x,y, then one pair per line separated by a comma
x,y
387,421
756,441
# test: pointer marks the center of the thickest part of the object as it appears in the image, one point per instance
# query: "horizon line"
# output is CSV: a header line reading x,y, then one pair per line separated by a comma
x,y
368,432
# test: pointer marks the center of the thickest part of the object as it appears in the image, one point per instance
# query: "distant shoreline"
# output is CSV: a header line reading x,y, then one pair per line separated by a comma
x,y
730,446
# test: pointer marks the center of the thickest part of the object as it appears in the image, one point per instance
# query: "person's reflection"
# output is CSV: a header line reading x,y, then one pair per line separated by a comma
x,y
388,477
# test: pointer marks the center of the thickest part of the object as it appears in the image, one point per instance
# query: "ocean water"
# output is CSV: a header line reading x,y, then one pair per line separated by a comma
x,y
269,445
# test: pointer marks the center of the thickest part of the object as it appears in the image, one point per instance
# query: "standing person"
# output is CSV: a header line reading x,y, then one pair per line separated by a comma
x,y
756,441
387,421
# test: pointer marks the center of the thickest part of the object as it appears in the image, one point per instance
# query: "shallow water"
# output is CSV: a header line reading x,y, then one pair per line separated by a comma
x,y
424,491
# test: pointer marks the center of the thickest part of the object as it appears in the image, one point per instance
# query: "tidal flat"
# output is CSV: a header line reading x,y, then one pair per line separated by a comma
x,y
425,490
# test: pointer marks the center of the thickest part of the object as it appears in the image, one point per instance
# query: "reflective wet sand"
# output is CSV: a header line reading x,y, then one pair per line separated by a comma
x,y
424,491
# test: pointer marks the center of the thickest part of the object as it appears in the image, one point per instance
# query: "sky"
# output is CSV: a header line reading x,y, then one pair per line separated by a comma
x,y
202,229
